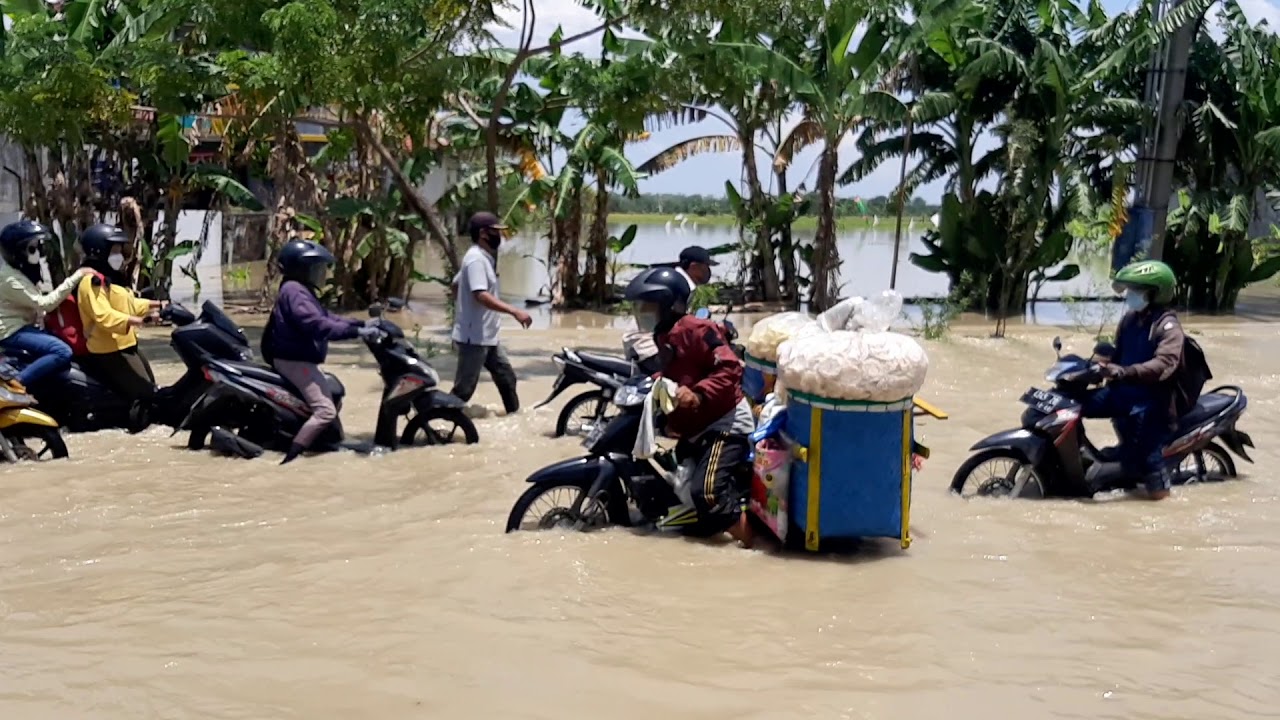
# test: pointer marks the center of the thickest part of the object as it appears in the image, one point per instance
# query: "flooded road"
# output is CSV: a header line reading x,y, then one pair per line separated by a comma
x,y
143,581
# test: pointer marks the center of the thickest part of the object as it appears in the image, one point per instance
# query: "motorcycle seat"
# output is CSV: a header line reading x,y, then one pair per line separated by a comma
x,y
266,374
1206,408
606,364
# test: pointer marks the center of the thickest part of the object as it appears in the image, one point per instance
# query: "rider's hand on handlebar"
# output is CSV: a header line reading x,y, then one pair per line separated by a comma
x,y
368,331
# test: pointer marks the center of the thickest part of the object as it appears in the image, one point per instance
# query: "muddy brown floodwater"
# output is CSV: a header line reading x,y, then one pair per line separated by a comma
x,y
144,581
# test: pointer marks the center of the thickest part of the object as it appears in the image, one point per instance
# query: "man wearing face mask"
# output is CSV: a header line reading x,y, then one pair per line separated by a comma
x,y
712,419
477,315
23,306
1140,397
111,314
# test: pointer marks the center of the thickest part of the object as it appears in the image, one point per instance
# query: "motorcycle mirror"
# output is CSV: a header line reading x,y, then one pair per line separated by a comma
x,y
1057,345
395,304
375,310
703,313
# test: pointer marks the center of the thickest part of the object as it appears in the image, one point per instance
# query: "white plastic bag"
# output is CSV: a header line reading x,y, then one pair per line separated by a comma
x,y
843,365
876,314
774,330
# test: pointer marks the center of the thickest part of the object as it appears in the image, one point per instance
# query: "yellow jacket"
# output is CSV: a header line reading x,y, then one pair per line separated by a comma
x,y
105,313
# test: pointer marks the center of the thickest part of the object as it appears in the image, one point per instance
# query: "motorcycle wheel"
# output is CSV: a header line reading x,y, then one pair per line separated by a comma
x,y
572,412
997,486
1212,464
48,443
418,425
558,512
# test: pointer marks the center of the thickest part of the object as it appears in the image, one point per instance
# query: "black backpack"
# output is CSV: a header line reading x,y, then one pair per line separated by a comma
x,y
1193,372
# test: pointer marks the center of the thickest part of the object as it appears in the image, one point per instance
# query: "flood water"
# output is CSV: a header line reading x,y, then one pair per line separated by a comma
x,y
144,581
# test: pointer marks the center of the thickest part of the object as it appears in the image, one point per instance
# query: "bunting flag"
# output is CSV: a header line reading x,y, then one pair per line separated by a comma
x,y
861,205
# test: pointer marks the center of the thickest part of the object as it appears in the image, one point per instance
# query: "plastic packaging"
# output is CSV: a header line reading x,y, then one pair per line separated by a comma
x,y
769,486
774,330
843,365
871,314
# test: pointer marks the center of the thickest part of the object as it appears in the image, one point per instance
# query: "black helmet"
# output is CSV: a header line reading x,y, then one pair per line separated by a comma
x,y
96,242
660,296
20,245
304,261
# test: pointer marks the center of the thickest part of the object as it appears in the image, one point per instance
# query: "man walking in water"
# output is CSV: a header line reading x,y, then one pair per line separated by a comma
x,y
477,316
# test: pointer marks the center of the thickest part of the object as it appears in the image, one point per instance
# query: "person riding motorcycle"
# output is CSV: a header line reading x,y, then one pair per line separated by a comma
x,y
296,339
23,306
1140,397
111,314
712,420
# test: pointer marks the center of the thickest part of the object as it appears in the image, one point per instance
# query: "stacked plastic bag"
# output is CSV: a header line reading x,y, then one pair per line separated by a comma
x,y
852,355
771,332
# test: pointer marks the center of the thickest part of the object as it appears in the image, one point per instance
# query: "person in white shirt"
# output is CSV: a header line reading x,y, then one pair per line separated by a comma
x,y
478,316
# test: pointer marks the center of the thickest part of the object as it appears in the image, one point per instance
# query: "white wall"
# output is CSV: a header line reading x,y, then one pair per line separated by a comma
x,y
209,266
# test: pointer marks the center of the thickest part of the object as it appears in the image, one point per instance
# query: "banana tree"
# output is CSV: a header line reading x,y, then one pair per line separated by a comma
x,y
1231,152
833,80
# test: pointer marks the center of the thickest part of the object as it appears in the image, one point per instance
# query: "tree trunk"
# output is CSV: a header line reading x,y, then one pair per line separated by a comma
x,y
568,267
759,210
595,287
826,256
787,250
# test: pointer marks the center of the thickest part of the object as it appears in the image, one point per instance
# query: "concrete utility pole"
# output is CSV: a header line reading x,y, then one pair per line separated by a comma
x,y
1166,82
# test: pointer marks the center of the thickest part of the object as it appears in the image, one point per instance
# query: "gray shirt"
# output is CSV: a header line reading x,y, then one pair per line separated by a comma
x,y
473,323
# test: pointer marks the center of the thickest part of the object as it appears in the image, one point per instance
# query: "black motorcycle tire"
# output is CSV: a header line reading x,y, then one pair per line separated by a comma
x,y
1221,457
961,477
418,423
570,409
531,495
51,437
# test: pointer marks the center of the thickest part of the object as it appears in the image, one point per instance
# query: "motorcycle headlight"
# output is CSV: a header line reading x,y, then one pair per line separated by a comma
x,y
629,396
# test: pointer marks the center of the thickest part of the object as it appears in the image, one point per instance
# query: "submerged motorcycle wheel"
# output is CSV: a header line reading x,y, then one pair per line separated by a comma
x,y
440,426
37,443
581,413
1018,479
543,507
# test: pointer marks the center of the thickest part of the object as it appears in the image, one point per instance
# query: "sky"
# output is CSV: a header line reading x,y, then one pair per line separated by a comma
x,y
706,174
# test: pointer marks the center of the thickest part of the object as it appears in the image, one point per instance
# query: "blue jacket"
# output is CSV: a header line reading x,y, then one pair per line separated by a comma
x,y
300,328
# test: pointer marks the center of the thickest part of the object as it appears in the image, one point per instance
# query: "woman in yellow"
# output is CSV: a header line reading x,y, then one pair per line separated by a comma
x,y
110,314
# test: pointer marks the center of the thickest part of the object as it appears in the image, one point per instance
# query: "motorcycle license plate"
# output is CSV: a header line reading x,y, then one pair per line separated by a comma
x,y
1046,401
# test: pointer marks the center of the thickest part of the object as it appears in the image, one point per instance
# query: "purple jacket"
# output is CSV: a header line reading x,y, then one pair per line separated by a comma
x,y
300,328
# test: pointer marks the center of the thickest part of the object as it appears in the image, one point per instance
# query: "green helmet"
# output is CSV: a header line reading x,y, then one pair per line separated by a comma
x,y
1148,275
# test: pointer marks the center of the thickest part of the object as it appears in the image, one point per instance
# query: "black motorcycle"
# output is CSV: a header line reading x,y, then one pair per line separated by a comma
x,y
250,408
587,410
604,486
80,403
1050,455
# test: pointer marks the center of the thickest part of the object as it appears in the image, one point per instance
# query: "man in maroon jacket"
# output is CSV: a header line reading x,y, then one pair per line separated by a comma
x,y
712,419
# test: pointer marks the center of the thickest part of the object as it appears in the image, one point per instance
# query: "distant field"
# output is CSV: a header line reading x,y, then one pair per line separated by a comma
x,y
804,223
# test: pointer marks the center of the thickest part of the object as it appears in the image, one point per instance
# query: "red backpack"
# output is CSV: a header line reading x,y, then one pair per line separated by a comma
x,y
65,322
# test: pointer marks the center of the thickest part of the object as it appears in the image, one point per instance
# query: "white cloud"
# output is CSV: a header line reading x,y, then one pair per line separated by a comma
x,y
1262,11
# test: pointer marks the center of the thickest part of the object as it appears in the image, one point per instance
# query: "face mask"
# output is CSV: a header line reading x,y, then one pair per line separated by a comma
x,y
494,240
115,261
1135,300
